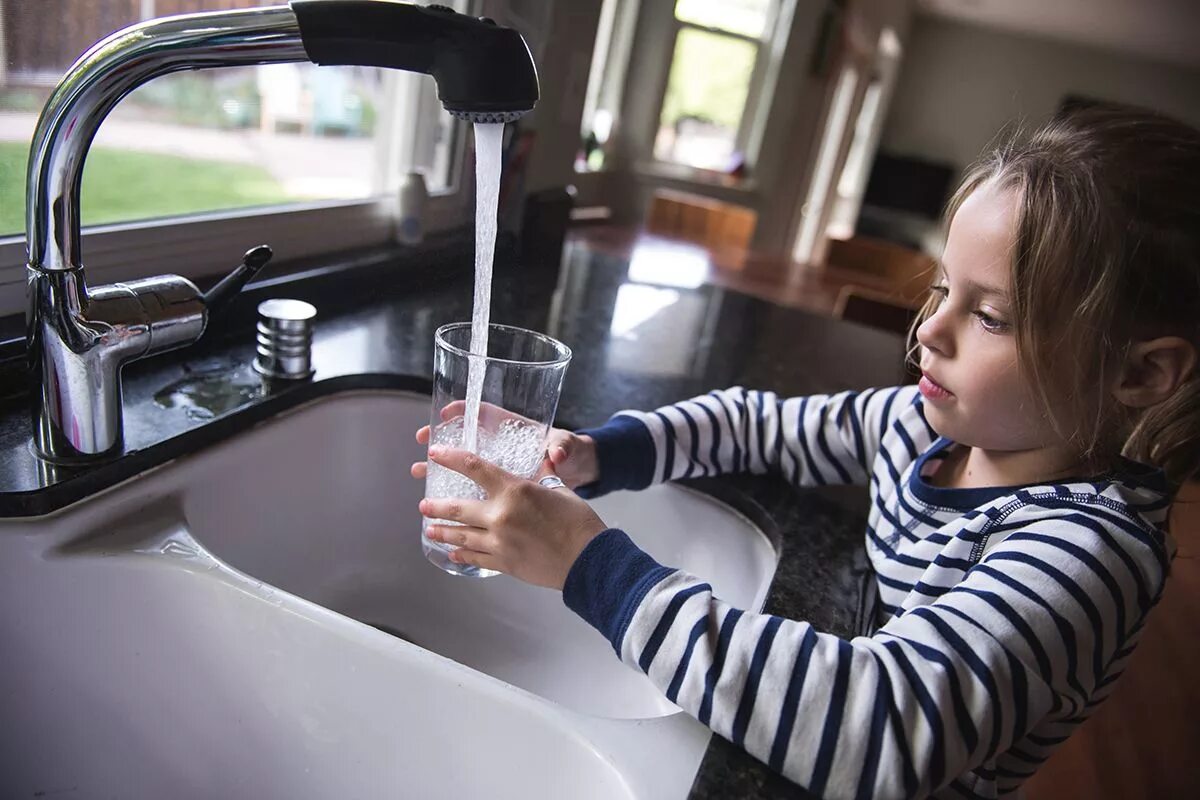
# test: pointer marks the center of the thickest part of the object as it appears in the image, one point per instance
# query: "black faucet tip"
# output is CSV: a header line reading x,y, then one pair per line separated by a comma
x,y
488,116
257,257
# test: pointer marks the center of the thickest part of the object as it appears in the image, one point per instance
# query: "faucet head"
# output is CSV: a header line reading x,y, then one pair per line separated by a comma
x,y
484,71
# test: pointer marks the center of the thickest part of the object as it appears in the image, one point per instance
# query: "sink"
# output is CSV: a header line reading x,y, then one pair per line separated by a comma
x,y
320,504
257,619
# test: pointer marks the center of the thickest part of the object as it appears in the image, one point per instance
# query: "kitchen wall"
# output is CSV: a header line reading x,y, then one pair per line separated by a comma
x,y
959,84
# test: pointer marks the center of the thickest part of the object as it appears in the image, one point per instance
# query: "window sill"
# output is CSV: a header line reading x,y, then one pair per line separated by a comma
x,y
685,176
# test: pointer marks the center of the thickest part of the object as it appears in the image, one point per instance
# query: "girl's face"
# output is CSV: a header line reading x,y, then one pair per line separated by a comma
x,y
974,392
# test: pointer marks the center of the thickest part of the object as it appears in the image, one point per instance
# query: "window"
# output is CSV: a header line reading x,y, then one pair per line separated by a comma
x,y
300,156
717,67
610,60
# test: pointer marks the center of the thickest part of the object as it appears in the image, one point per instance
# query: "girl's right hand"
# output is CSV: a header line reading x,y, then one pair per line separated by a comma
x,y
573,457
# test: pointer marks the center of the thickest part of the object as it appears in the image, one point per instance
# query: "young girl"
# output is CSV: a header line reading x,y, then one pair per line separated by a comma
x,y
1018,495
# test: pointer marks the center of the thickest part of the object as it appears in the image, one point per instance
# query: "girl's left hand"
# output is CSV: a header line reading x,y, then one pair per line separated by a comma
x,y
523,529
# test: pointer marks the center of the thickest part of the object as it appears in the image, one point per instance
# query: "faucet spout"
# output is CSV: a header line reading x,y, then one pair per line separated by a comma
x,y
484,72
80,337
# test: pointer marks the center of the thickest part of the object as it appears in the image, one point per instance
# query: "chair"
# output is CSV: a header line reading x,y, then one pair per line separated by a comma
x,y
715,224
905,270
875,308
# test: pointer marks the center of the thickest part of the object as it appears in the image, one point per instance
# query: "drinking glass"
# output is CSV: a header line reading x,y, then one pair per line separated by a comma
x,y
522,377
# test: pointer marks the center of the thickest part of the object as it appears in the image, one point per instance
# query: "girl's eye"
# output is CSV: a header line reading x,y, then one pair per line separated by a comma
x,y
990,323
941,291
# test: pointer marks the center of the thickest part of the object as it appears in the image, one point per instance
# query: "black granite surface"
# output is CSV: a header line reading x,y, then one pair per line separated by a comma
x,y
637,344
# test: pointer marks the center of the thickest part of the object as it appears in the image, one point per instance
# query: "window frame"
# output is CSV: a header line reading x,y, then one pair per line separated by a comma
x,y
749,125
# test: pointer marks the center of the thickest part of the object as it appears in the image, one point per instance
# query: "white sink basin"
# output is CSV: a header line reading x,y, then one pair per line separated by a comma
x,y
138,663
321,504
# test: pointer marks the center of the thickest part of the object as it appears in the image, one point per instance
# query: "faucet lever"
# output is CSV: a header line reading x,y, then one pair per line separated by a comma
x,y
228,287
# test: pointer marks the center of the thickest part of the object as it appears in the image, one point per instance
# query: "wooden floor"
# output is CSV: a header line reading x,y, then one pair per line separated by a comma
x,y
1144,741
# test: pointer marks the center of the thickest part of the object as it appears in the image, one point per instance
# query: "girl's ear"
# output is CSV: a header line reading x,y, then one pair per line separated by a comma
x,y
1153,370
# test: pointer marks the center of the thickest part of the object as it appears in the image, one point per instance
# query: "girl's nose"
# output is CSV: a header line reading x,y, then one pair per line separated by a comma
x,y
934,333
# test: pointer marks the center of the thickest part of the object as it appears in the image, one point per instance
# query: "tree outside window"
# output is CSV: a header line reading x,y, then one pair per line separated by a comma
x,y
714,67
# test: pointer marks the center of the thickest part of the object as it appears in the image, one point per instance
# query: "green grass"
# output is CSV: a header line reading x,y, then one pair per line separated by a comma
x,y
119,185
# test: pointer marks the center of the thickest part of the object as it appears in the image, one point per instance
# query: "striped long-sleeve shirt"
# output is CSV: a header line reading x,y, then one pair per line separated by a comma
x,y
1004,614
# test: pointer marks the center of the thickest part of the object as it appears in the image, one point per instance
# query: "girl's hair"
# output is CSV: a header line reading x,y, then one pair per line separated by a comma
x,y
1107,252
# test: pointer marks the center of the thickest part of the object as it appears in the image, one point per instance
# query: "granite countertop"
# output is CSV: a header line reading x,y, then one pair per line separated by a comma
x,y
636,343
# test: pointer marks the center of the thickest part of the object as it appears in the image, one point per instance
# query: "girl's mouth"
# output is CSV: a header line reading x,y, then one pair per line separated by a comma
x,y
932,390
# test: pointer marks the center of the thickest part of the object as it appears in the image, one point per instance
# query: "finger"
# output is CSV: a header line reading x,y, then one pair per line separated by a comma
x,y
545,470
419,470
475,559
472,538
558,454
454,409
488,475
423,435
455,509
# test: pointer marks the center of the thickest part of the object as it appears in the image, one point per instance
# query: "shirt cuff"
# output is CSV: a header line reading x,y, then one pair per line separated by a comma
x,y
608,581
625,456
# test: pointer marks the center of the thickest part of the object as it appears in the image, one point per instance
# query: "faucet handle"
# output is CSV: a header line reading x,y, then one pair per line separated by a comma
x,y
228,287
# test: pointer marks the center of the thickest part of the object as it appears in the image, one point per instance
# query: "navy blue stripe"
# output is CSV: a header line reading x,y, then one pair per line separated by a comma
x,y
760,434
737,450
791,700
960,564
930,590
957,786
860,443
909,445
919,404
870,767
931,712
884,418
1092,562
823,444
1019,682
1152,539
1018,623
1064,627
833,719
669,447
898,728
962,717
694,444
741,719
1029,758
810,466
893,583
684,662
777,446
1073,588
886,456
718,663
666,621
898,493
743,412
1093,525
714,453
890,552
1020,694
967,654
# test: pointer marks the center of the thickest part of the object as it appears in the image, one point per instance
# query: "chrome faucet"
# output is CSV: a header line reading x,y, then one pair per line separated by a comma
x,y
80,337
